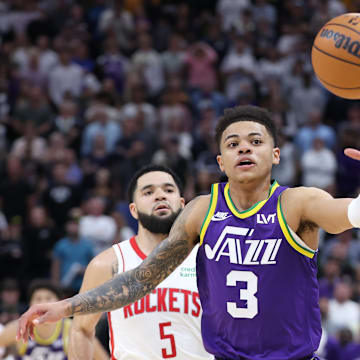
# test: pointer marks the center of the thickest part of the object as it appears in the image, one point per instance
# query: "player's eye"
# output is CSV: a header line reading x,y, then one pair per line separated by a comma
x,y
232,144
148,193
256,142
169,190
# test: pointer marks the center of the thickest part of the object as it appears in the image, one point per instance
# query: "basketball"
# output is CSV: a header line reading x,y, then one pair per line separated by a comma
x,y
335,55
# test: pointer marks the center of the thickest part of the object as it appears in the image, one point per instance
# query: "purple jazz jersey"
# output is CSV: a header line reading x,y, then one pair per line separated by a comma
x,y
257,282
53,348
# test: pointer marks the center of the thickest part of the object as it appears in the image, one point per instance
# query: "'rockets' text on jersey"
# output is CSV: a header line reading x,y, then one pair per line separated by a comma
x,y
164,324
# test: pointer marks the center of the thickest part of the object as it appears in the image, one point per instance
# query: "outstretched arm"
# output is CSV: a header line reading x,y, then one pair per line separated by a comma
x,y
321,208
132,285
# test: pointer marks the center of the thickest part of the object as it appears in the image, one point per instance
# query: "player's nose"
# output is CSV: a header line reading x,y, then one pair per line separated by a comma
x,y
160,195
244,149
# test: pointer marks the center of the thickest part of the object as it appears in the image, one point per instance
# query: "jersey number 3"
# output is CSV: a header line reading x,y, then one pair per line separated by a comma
x,y
248,294
163,336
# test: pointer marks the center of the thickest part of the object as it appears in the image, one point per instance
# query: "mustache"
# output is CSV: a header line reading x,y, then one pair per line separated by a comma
x,y
162,203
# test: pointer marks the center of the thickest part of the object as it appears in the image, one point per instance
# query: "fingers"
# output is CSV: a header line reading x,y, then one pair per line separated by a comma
x,y
41,319
26,325
352,153
23,329
31,330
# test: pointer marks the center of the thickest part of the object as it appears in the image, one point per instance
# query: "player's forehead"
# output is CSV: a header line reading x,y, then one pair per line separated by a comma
x,y
155,179
244,129
42,292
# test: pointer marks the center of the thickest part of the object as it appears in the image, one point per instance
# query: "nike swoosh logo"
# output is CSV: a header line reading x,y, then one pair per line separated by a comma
x,y
220,219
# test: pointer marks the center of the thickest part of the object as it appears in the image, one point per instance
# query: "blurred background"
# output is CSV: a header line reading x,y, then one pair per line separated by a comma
x,y
92,90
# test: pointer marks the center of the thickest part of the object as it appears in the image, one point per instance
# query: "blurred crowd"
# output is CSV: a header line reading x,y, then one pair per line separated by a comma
x,y
92,90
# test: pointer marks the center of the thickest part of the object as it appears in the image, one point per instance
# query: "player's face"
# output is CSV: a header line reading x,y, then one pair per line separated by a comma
x,y
157,201
43,296
247,152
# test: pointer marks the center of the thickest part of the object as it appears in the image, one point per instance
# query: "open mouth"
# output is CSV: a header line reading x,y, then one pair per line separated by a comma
x,y
245,164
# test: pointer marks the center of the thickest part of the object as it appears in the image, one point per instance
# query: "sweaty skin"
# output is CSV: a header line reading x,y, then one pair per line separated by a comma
x,y
305,209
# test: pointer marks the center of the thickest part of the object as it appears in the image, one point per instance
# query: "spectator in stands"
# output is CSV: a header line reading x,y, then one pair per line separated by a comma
x,y
96,226
60,196
330,277
39,239
238,66
148,63
318,166
10,304
315,128
66,78
100,124
15,191
343,312
70,257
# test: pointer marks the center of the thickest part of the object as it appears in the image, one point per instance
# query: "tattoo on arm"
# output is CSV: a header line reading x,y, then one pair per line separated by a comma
x,y
127,287
114,268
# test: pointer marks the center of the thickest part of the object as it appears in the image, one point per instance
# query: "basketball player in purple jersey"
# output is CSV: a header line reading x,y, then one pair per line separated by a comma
x,y
256,266
51,340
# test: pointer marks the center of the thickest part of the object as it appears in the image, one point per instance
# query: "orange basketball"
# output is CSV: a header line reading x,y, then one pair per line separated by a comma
x,y
335,55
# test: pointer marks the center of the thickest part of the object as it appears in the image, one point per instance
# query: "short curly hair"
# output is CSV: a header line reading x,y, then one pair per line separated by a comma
x,y
245,113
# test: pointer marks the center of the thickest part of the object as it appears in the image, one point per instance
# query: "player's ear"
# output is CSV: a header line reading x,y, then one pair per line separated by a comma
x,y
182,202
220,162
133,211
276,156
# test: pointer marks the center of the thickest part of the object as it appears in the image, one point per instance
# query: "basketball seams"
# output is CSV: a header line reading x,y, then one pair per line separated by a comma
x,y
339,87
335,57
335,52
345,26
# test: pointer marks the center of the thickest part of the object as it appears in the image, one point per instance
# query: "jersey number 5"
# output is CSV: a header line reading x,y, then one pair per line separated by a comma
x,y
248,294
171,337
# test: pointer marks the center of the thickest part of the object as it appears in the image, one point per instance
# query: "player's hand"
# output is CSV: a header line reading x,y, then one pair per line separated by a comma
x,y
39,314
352,153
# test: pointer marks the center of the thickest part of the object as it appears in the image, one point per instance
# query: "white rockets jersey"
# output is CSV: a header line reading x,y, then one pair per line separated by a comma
x,y
165,324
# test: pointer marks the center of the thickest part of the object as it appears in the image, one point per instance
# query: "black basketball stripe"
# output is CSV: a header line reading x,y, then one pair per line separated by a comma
x,y
345,26
335,57
338,87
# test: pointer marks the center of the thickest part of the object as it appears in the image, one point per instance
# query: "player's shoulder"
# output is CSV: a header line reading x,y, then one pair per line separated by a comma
x,y
202,200
199,205
195,212
301,194
103,260
100,269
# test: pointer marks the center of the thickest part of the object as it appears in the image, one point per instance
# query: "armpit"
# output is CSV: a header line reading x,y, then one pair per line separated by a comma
x,y
306,226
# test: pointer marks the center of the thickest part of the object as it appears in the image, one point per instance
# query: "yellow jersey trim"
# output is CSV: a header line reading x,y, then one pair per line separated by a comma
x,y
288,236
66,334
22,349
50,339
252,210
210,212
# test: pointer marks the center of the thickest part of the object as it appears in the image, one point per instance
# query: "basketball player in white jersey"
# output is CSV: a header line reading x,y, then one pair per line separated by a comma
x,y
166,323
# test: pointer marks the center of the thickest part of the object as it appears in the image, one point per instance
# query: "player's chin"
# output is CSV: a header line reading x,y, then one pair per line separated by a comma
x,y
248,178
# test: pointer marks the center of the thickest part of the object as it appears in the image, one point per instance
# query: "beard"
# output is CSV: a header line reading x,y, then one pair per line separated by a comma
x,y
156,224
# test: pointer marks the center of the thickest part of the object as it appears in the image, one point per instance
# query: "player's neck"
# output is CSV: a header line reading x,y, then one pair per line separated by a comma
x,y
246,195
44,331
147,241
